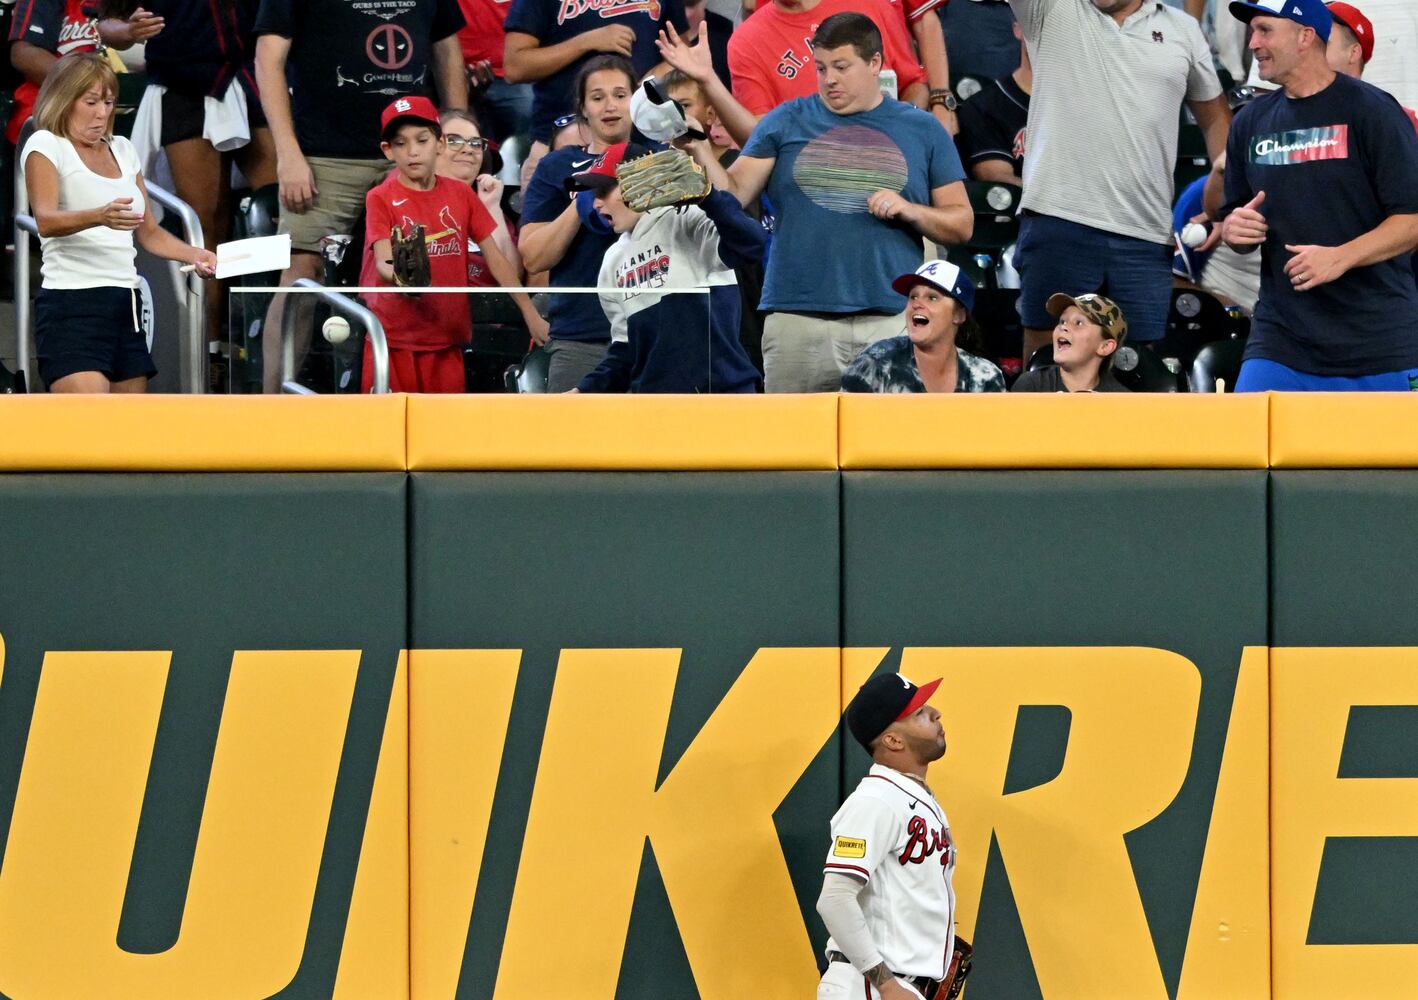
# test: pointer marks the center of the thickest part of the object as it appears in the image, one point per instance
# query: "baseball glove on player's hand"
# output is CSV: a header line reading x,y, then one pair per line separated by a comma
x,y
669,177
956,971
410,258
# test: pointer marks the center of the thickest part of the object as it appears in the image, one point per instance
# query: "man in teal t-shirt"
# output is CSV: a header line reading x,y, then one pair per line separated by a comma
x,y
856,180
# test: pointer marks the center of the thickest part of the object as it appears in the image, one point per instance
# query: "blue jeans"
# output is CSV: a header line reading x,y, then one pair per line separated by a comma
x,y
1054,255
1261,375
505,109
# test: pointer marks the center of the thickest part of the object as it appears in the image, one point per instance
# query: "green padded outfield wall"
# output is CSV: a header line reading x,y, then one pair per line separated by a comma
x,y
467,723
1170,563
183,789
671,757
1344,680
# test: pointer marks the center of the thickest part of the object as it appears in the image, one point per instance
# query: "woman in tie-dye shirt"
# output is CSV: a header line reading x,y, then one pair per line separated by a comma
x,y
928,358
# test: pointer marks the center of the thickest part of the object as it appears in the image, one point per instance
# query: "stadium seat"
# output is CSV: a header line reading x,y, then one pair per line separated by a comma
x,y
531,374
967,85
1193,161
131,87
1219,360
1195,319
996,208
258,213
1141,369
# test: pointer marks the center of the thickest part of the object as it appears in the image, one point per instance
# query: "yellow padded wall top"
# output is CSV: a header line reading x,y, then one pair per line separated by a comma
x,y
623,432
1053,431
201,433
1343,430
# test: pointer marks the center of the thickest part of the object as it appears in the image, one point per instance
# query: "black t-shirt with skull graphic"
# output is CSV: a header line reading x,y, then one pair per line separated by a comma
x,y
350,58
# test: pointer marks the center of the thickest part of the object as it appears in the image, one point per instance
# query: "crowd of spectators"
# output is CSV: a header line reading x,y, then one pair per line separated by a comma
x,y
842,139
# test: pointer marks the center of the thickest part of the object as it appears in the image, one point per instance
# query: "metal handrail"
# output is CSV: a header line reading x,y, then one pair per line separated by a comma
x,y
375,339
192,345
192,361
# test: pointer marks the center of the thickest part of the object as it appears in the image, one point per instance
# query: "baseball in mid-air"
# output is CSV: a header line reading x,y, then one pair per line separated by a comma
x,y
336,329
1194,234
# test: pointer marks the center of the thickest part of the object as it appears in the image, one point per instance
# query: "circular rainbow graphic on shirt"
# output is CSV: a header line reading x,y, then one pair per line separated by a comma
x,y
842,166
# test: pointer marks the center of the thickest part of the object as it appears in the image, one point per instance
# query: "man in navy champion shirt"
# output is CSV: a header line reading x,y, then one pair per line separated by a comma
x,y
1323,177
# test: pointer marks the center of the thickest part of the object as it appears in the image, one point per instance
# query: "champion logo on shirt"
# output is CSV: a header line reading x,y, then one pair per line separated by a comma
x,y
572,9
1306,145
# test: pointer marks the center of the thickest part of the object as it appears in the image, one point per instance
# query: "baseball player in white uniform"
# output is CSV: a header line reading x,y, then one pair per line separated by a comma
x,y
886,897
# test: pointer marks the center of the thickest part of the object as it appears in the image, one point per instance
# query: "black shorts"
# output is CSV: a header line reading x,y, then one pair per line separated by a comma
x,y
184,116
90,330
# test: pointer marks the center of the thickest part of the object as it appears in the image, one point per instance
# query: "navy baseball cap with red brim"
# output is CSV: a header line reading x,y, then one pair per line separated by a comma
x,y
882,700
600,176
1309,13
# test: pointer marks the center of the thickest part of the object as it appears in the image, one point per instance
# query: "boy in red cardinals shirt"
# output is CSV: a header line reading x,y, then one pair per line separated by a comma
x,y
427,332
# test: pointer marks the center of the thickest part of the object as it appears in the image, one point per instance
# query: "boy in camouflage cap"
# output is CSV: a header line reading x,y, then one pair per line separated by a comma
x,y
1089,331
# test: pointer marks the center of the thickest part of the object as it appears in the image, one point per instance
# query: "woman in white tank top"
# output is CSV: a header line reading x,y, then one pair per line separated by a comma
x,y
88,198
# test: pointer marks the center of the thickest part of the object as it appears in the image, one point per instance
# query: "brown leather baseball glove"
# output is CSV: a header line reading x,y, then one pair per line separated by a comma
x,y
669,177
956,971
410,258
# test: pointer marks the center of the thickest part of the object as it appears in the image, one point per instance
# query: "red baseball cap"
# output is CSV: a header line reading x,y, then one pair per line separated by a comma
x,y
1353,18
411,109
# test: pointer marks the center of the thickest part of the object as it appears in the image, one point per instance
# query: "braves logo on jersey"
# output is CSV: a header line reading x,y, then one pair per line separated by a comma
x,y
922,843
570,10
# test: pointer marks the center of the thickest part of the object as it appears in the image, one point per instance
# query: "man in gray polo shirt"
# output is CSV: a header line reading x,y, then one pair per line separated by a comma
x,y
1110,77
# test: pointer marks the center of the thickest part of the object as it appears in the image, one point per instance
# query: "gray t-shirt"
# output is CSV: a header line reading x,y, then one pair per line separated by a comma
x,y
1104,111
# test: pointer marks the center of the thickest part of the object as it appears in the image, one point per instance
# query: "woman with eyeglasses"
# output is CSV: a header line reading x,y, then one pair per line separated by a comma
x,y
469,157
563,234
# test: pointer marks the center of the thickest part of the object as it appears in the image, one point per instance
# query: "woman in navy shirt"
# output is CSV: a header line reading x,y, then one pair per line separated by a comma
x,y
563,234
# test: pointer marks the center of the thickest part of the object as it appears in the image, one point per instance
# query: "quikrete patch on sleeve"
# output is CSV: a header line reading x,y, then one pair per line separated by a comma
x,y
849,847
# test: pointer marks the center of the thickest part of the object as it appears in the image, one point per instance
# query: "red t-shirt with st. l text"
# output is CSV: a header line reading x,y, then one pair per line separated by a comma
x,y
770,55
913,13
450,215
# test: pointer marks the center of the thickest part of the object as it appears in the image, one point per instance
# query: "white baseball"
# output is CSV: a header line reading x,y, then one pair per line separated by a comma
x,y
336,329
1194,234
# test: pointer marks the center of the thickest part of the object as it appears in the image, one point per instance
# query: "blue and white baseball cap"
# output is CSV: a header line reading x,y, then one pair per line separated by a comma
x,y
941,274
1310,13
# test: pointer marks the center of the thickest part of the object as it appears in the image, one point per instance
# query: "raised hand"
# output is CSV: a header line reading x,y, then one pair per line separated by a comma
x,y
143,24
694,61
1246,226
489,191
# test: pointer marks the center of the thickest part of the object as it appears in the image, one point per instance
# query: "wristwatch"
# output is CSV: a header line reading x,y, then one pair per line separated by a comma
x,y
943,96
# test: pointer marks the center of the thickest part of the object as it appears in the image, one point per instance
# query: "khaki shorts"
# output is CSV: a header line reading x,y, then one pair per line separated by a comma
x,y
342,185
809,353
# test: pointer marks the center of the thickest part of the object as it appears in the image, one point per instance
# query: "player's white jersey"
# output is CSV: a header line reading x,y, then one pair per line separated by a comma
x,y
892,834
